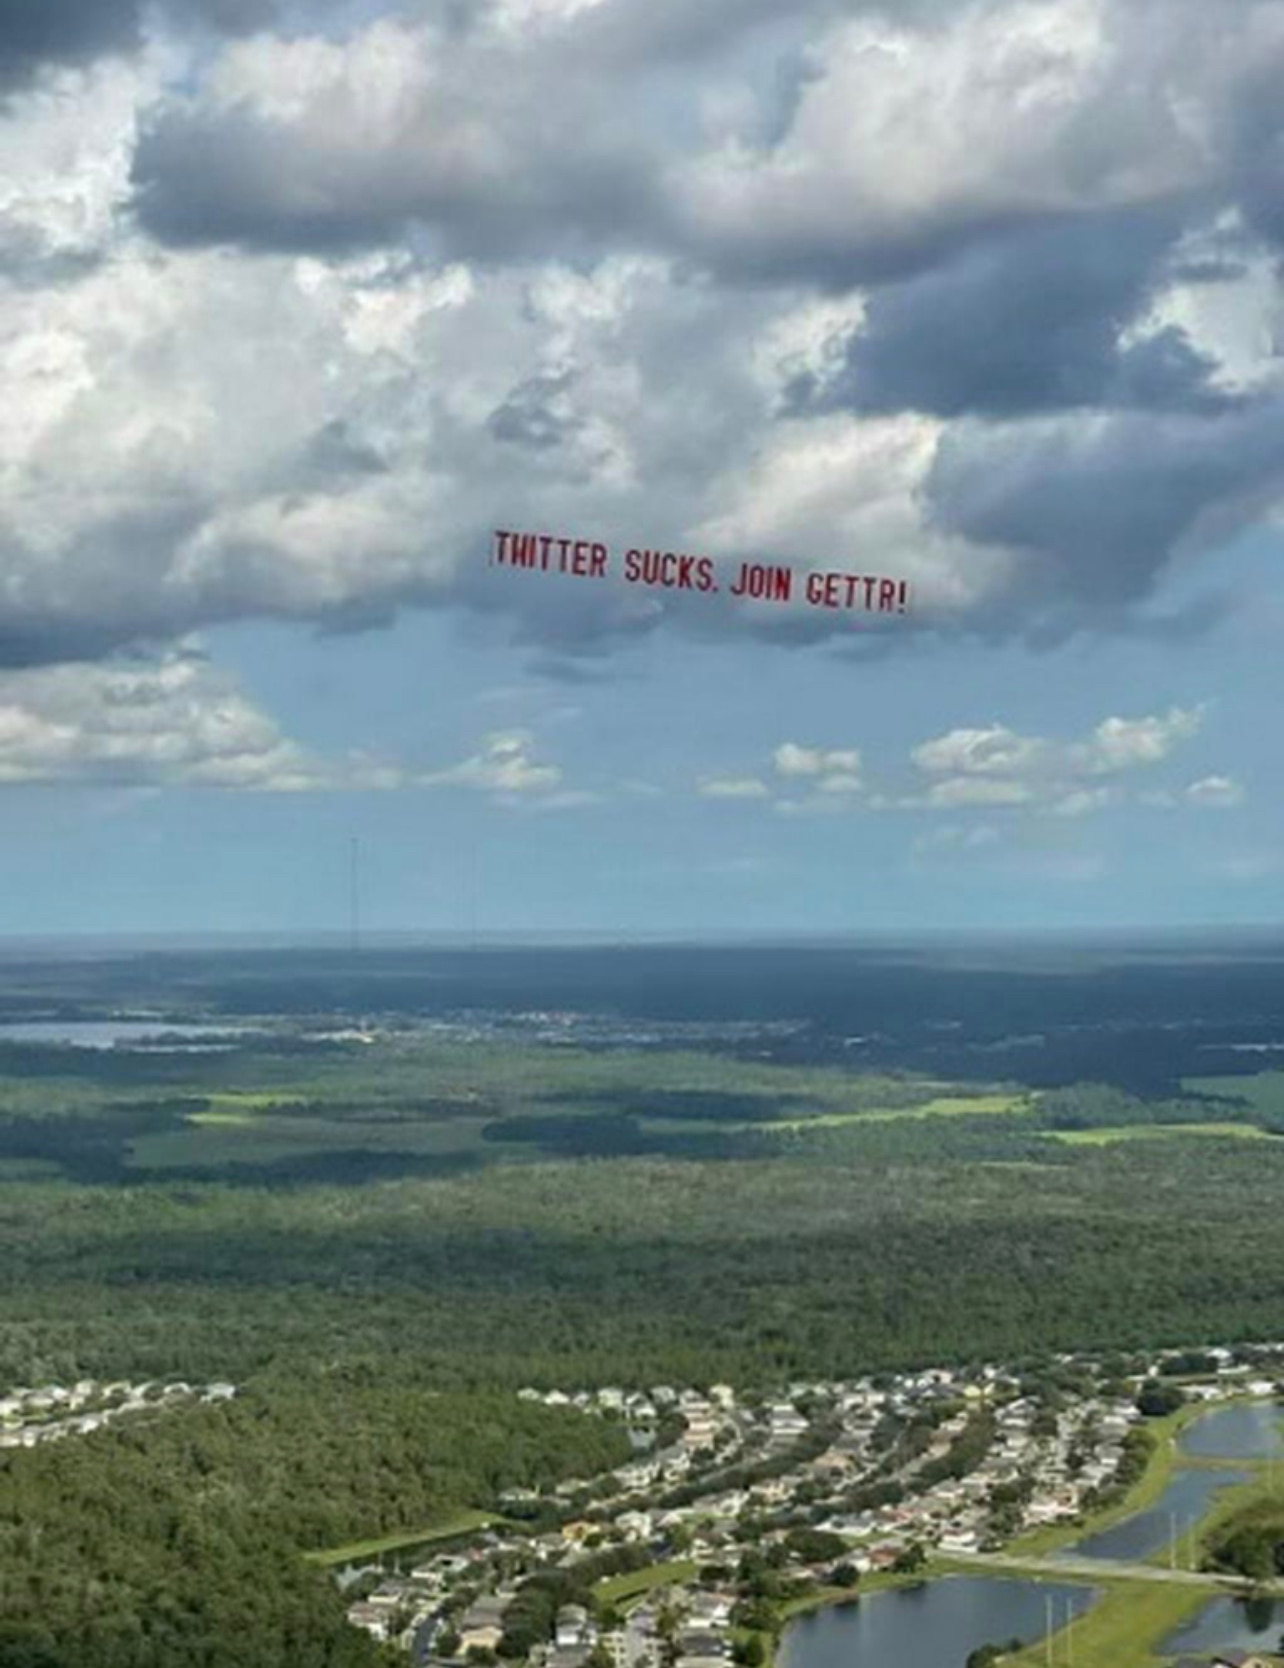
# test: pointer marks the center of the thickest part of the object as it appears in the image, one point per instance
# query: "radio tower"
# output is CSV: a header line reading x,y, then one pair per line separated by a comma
x,y
354,895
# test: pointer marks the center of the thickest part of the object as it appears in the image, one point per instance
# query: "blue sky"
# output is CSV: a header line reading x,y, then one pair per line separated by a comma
x,y
651,851
300,303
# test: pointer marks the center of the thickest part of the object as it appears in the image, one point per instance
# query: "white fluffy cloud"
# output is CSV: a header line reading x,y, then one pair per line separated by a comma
x,y
995,766
991,768
792,760
177,721
504,766
1215,792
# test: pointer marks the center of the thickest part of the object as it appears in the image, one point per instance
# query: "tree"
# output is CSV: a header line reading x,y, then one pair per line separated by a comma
x,y
749,1652
911,1560
815,1546
1157,1399
845,1575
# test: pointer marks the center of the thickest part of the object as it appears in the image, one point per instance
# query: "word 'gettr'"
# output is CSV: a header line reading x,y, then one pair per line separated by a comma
x,y
672,571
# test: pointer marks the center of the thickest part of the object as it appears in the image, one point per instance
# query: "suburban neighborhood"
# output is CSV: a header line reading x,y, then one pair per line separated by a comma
x,y
736,1504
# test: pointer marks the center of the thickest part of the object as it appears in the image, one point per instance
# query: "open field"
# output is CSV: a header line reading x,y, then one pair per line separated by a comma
x,y
940,1106
458,1523
1157,1132
617,1589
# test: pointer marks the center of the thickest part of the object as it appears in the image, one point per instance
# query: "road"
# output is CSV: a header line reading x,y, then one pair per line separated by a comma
x,y
1100,1569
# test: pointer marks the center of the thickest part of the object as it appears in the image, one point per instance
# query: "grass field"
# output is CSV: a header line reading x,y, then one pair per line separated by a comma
x,y
617,1589
1156,1132
942,1106
1122,1630
459,1523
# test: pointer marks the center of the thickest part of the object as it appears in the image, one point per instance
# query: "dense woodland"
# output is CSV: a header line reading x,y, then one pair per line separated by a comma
x,y
176,1536
375,1241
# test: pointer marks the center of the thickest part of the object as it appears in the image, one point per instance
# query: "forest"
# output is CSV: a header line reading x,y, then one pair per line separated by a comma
x,y
177,1538
378,1240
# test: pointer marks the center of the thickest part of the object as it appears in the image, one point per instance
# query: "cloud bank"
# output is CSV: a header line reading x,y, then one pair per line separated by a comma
x,y
299,304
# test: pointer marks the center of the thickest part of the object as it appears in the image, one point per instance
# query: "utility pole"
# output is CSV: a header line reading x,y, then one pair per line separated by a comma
x,y
1047,1606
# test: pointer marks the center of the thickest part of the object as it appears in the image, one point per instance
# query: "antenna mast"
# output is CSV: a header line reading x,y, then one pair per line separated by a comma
x,y
354,895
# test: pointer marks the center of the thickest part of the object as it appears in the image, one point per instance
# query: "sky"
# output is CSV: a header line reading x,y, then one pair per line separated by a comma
x,y
301,302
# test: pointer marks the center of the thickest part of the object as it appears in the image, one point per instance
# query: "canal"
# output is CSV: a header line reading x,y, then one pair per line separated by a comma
x,y
935,1625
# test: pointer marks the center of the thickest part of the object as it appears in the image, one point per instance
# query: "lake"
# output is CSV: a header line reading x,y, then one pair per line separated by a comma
x,y
1189,1495
116,1033
935,1625
1230,1624
1249,1431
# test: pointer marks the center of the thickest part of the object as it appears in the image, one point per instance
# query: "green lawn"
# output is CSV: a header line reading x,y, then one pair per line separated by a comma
x,y
459,1523
615,1589
1121,1630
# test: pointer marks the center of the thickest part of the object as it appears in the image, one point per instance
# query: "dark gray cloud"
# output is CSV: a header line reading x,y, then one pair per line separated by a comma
x,y
529,416
1028,321
338,452
34,33
509,180
39,34
1103,507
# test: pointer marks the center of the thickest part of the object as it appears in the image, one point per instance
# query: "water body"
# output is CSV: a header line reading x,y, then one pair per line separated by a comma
x,y
932,1626
1249,1431
1229,1624
114,1033
1189,1495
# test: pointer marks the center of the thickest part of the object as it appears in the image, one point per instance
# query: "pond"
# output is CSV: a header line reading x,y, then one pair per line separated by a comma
x,y
1251,1430
1187,1498
1230,1624
934,1625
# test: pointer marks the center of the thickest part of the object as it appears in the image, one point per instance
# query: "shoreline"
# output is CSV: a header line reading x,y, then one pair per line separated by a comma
x,y
1125,1605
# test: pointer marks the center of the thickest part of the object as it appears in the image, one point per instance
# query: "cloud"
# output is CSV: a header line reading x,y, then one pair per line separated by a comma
x,y
1027,321
792,760
504,767
38,32
1119,744
315,145
734,787
1101,505
177,721
1215,792
988,767
995,751
956,791
995,766
38,35
297,303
